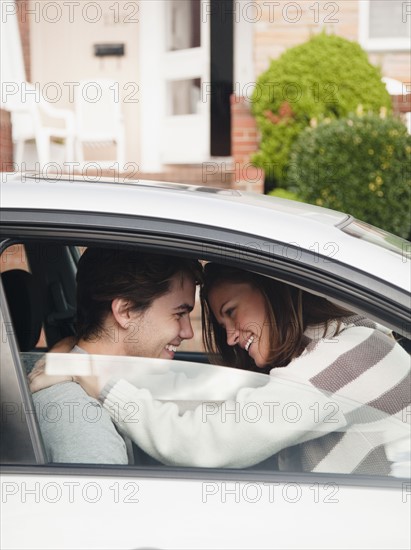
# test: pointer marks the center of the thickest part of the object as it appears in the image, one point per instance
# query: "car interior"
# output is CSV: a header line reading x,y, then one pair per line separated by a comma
x,y
40,289
42,300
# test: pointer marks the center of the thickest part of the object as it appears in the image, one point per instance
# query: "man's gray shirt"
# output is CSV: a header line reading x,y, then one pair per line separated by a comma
x,y
76,428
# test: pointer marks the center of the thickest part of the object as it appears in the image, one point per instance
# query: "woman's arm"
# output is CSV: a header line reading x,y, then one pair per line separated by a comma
x,y
315,395
258,423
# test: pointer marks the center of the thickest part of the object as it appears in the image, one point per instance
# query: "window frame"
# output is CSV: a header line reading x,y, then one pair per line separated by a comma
x,y
312,271
22,424
180,239
377,44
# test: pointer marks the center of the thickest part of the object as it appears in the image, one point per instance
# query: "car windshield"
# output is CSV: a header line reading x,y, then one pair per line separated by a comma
x,y
371,234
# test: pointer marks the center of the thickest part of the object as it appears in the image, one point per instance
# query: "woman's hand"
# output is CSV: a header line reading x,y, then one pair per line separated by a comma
x,y
90,384
39,380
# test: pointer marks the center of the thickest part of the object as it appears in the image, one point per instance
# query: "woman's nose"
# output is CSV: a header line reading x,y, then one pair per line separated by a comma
x,y
233,335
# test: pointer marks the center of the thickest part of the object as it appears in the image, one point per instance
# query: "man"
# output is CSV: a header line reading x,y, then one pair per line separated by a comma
x,y
128,303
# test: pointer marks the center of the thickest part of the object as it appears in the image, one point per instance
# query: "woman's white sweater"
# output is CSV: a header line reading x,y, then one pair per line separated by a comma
x,y
341,406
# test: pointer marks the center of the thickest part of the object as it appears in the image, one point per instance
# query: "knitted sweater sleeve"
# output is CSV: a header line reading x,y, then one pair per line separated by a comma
x,y
239,432
234,433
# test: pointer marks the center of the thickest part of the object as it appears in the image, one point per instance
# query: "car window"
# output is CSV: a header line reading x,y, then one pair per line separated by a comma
x,y
143,411
20,440
39,300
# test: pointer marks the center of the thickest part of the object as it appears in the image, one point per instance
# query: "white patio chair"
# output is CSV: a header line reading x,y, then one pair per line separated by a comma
x,y
99,120
396,87
27,113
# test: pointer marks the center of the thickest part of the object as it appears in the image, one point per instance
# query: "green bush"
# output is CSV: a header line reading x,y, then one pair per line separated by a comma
x,y
284,194
326,77
360,165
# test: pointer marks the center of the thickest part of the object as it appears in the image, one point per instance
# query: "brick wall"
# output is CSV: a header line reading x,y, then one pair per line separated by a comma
x,y
283,24
244,142
211,174
6,146
401,103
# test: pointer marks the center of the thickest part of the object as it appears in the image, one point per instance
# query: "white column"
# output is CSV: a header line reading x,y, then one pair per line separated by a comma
x,y
151,83
244,73
12,72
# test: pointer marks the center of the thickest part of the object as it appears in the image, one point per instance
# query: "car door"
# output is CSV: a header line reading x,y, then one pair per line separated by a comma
x,y
48,505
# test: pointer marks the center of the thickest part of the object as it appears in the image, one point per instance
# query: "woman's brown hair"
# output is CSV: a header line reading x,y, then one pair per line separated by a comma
x,y
289,309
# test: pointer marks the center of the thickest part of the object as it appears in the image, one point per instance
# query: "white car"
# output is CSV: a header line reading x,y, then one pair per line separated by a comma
x,y
45,224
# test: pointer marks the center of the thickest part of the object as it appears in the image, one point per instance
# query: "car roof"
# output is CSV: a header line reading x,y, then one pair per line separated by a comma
x,y
306,226
115,203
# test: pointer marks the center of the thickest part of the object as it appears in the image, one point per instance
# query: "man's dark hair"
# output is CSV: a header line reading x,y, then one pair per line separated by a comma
x,y
138,277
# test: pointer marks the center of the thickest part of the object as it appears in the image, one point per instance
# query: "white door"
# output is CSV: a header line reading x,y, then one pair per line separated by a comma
x,y
175,91
186,62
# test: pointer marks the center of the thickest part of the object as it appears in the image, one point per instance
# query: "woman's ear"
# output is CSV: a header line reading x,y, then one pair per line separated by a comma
x,y
121,311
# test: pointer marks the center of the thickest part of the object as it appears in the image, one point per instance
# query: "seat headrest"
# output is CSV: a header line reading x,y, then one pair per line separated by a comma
x,y
25,307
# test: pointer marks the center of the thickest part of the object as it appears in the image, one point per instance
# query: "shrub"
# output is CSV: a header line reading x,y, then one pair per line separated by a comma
x,y
284,194
359,164
326,77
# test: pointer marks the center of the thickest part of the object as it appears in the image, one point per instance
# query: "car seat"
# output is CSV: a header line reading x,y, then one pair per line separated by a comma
x,y
25,307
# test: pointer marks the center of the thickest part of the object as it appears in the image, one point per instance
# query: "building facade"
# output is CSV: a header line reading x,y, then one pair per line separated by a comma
x,y
185,69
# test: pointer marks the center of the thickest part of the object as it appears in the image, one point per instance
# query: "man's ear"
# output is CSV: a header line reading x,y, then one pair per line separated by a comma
x,y
121,311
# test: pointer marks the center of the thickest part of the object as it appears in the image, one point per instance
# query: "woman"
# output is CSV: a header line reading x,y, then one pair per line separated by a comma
x,y
334,400
258,323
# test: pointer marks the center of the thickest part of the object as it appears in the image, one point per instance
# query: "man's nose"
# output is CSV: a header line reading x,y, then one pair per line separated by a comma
x,y
186,330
